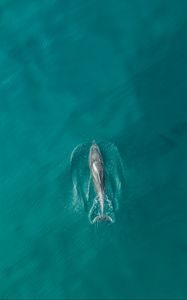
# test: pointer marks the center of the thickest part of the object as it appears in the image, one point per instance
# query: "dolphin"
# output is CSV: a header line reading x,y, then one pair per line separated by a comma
x,y
97,173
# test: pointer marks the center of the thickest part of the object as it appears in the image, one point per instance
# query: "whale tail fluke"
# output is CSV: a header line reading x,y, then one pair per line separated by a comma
x,y
96,215
101,218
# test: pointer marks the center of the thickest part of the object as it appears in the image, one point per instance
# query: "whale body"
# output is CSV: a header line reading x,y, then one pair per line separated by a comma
x,y
96,165
98,180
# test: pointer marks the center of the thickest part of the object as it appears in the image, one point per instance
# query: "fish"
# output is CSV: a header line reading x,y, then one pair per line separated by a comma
x,y
96,165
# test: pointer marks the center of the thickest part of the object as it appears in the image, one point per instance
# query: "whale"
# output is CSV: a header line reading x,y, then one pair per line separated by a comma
x,y
98,179
96,165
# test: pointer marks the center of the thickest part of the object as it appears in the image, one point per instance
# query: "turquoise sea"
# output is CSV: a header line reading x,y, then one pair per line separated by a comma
x,y
70,72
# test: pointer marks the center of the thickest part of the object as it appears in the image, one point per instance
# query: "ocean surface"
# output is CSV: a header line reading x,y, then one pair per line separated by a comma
x,y
70,72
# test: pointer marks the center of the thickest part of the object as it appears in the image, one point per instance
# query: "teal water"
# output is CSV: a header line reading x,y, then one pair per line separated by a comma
x,y
71,72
